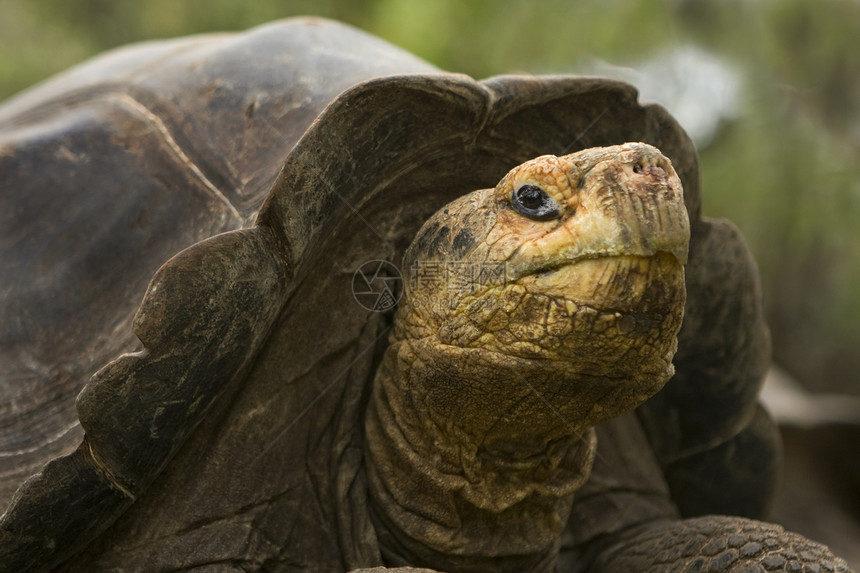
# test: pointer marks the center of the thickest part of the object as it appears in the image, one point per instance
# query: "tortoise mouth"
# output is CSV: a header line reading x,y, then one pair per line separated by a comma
x,y
545,268
624,283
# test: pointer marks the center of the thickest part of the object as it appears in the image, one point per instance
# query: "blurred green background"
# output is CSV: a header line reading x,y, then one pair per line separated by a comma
x,y
783,164
775,83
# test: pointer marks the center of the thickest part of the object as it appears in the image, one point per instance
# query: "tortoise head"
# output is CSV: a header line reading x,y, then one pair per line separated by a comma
x,y
556,295
533,311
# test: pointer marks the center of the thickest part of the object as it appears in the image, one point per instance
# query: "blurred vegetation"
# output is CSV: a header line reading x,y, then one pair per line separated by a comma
x,y
785,170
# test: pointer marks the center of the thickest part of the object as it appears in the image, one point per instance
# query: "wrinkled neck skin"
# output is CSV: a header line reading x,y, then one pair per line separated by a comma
x,y
480,425
446,497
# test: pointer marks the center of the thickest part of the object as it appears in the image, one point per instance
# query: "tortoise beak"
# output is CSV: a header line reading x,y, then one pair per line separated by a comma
x,y
631,203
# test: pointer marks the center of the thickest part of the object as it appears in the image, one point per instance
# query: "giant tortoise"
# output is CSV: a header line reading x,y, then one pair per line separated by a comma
x,y
523,409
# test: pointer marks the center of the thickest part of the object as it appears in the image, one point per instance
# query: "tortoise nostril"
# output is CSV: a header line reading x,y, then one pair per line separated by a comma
x,y
653,168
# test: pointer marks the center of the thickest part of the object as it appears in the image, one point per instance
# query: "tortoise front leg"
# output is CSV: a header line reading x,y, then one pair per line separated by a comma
x,y
395,570
716,543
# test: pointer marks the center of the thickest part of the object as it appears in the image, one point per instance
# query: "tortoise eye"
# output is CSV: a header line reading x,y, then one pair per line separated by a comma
x,y
534,203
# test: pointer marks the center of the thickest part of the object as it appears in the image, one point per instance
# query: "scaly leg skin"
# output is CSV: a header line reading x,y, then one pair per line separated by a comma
x,y
394,570
718,544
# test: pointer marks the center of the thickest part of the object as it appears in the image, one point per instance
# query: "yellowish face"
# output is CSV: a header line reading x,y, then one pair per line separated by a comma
x,y
570,272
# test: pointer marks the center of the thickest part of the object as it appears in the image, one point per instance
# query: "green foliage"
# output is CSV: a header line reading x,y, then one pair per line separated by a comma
x,y
786,171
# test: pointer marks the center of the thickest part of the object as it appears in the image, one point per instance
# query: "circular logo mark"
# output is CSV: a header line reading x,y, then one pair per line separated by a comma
x,y
377,285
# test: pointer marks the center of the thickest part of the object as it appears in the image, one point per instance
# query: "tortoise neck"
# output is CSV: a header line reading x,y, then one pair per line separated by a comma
x,y
440,502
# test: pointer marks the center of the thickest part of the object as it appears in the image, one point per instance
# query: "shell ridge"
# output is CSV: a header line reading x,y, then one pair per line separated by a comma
x,y
142,104
179,154
104,469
